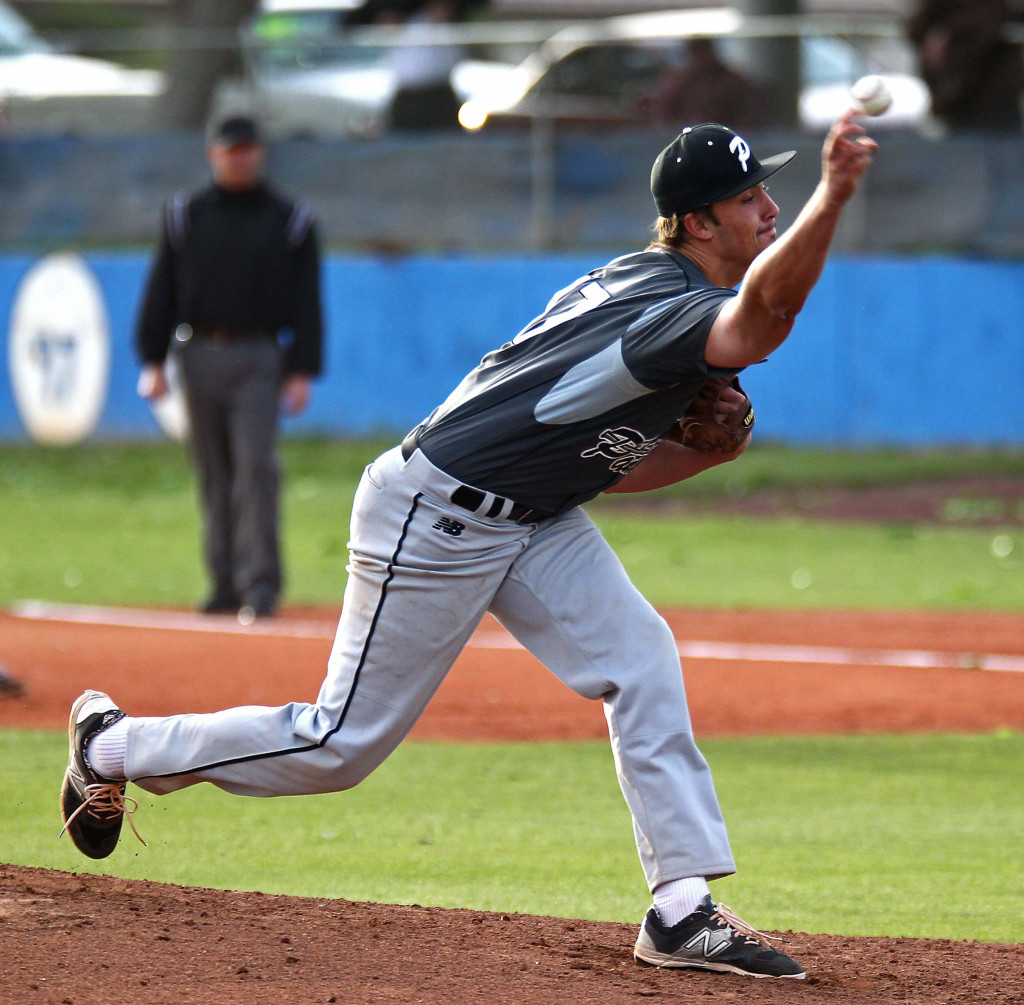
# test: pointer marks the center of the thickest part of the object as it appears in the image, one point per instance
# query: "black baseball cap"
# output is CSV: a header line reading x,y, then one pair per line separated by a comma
x,y
705,164
237,129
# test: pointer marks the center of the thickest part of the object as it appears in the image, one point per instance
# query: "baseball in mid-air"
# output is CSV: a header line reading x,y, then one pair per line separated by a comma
x,y
871,95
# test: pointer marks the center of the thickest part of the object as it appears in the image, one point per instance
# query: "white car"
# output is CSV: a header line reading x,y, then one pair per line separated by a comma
x,y
42,91
594,72
308,72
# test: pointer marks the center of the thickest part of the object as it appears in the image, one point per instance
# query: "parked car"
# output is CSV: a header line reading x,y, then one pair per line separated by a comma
x,y
310,72
598,72
43,91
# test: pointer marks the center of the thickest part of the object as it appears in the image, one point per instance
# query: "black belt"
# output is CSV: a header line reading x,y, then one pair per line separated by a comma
x,y
233,334
472,499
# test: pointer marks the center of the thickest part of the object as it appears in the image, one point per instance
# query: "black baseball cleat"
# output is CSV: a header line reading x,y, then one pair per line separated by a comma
x,y
712,938
10,687
91,806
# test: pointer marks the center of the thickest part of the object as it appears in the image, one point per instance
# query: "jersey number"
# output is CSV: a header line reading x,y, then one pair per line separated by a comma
x,y
592,294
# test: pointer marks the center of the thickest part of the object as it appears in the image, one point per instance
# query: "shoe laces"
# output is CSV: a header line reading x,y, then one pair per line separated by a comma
x,y
737,924
108,800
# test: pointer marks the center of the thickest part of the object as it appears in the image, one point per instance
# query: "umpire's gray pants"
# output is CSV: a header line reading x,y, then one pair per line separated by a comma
x,y
422,574
232,392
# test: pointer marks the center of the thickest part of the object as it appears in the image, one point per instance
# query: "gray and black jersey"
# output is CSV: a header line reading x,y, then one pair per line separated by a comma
x,y
586,390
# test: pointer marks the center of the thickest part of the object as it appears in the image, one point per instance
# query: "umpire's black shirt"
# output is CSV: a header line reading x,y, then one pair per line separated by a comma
x,y
246,263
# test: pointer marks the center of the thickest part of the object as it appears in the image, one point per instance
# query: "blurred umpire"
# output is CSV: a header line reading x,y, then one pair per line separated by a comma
x,y
234,294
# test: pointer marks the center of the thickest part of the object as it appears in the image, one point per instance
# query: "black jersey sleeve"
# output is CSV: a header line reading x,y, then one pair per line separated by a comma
x,y
665,344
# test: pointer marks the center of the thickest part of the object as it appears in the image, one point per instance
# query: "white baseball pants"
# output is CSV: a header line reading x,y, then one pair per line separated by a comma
x,y
422,574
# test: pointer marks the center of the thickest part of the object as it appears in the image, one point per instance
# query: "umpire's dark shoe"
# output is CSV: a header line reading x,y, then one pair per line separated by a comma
x,y
220,602
92,807
257,605
712,938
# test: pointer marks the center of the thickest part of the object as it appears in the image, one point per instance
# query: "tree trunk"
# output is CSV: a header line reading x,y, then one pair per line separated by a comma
x,y
207,48
775,62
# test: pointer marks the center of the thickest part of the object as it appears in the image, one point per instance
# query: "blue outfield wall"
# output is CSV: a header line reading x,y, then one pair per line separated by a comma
x,y
888,351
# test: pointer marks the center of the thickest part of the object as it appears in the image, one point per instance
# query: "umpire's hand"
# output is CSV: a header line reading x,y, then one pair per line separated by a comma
x,y
295,393
152,382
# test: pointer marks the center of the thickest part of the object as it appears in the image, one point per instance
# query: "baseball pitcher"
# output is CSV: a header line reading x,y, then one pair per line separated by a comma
x,y
627,381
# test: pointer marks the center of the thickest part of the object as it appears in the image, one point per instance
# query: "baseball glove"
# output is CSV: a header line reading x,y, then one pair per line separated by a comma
x,y
703,428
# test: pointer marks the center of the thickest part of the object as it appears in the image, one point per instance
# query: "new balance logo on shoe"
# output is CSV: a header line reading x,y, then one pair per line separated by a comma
x,y
712,943
449,526
713,938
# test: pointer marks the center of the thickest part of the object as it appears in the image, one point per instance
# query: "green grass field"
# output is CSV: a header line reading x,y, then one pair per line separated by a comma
x,y
883,835
118,524
878,835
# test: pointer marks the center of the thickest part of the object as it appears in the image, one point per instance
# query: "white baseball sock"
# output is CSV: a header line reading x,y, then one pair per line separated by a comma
x,y
106,750
677,898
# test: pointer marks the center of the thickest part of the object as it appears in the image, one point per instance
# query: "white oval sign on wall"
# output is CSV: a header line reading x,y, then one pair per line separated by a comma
x,y
59,350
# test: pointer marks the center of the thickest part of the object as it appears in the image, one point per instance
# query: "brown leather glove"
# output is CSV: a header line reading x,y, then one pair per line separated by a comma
x,y
701,429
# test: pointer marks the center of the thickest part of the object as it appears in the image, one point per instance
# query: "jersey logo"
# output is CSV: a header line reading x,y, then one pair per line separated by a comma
x,y
449,526
739,146
624,446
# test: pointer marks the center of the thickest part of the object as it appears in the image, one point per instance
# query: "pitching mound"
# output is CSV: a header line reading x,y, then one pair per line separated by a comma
x,y
94,940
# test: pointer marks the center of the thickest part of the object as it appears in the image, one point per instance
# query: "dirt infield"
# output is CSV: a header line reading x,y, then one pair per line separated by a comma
x,y
497,692
86,940
93,940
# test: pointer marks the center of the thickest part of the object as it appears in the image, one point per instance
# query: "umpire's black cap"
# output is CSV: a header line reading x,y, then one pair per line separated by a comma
x,y
236,129
705,164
